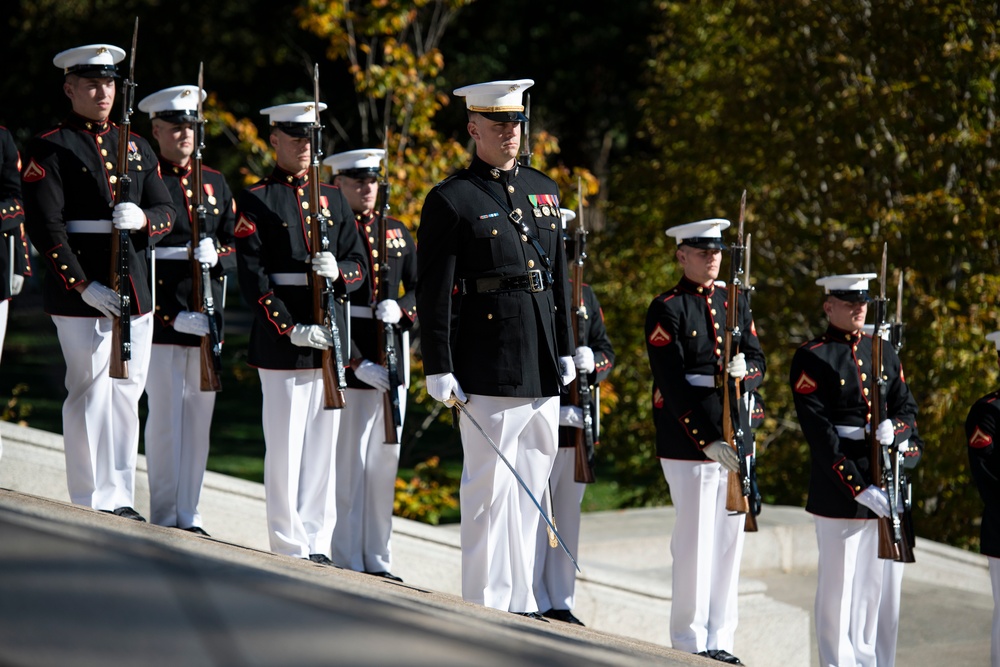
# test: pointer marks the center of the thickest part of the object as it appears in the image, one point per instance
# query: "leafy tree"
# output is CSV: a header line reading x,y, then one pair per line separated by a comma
x,y
850,124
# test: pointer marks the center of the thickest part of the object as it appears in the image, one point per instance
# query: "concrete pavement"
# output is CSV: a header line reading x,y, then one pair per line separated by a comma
x,y
623,591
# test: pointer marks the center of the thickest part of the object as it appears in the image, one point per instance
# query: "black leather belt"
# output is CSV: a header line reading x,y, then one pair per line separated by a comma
x,y
532,281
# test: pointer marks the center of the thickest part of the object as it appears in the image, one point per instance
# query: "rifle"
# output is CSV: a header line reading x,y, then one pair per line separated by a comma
x,y
579,390
904,487
387,333
754,498
121,326
525,156
201,278
332,364
892,544
738,490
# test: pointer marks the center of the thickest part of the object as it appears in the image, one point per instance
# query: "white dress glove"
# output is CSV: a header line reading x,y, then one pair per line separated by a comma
x,y
205,252
885,433
388,311
584,359
190,322
102,298
373,375
721,451
904,446
128,216
17,284
875,499
311,335
325,264
444,387
570,415
737,366
567,372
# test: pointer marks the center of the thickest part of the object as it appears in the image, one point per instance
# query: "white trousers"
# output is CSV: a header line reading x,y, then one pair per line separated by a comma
x,y
888,613
706,546
366,483
555,576
499,521
101,414
177,434
995,581
848,591
301,439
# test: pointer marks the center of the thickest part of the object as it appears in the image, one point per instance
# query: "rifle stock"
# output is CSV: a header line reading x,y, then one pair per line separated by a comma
x,y
387,333
201,278
323,298
121,326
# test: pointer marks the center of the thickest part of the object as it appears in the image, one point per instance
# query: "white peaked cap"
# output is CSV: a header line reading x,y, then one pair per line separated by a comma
x,y
701,234
93,59
995,337
497,100
296,112
178,102
362,161
568,216
847,282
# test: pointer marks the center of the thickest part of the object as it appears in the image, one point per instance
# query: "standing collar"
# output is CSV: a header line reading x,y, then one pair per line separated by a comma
x,y
77,121
488,172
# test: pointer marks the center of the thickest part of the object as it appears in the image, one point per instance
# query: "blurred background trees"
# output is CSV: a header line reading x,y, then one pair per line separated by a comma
x,y
849,123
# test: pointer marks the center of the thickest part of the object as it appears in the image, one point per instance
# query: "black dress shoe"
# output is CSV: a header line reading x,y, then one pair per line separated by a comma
x,y
386,575
564,615
726,657
531,614
321,559
704,654
197,530
126,513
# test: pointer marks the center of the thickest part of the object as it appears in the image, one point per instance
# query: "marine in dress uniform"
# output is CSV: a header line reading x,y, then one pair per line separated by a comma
x,y
275,262
685,329
490,245
180,413
830,377
15,263
981,429
69,177
555,576
366,465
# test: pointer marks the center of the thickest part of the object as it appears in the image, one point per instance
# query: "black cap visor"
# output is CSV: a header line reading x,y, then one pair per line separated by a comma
x,y
705,243
504,116
851,296
294,129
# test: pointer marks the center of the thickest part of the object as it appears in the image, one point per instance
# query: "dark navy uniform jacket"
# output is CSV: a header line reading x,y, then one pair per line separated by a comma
x,y
173,277
831,377
505,343
984,462
401,271
272,237
685,332
69,174
11,215
596,338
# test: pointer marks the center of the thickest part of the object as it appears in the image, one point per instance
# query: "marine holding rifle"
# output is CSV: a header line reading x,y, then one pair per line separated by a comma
x,y
70,176
276,259
685,334
832,383
180,408
368,453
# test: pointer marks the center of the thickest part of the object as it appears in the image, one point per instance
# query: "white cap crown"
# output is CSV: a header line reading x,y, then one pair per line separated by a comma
x,y
174,102
701,234
497,100
364,161
92,59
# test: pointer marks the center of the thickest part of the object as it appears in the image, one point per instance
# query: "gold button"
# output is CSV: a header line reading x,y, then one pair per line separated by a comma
x,y
104,152
109,166
850,477
860,363
713,311
842,382
687,420
531,263
368,228
138,167
284,326
718,339
709,301
490,316
694,431
113,179
274,314
510,188
189,193
100,140
267,302
301,192
72,280
371,239
524,237
840,467
857,488
159,282
701,442
552,226
305,205
493,232
157,307
864,376
63,267
374,253
716,325
184,181
866,391
694,333
55,254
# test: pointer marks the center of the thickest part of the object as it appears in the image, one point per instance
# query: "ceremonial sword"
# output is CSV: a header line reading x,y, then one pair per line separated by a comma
x,y
465,411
